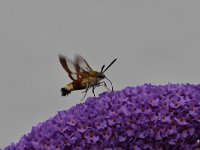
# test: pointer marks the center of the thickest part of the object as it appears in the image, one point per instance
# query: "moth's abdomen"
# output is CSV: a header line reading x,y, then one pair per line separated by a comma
x,y
67,89
64,91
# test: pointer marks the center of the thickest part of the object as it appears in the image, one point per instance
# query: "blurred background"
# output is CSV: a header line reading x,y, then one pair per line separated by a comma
x,y
154,42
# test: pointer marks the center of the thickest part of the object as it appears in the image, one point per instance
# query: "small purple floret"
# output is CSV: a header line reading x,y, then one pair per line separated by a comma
x,y
136,118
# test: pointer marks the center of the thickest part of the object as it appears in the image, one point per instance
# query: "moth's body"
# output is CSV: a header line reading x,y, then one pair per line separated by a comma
x,y
82,75
90,80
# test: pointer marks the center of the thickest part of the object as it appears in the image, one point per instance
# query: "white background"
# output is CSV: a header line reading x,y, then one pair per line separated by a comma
x,y
154,41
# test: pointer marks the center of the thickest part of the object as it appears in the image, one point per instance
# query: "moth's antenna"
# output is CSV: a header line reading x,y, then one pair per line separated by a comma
x,y
102,68
110,64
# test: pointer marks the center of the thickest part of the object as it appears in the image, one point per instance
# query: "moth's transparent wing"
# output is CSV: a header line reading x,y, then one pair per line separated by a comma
x,y
82,65
69,67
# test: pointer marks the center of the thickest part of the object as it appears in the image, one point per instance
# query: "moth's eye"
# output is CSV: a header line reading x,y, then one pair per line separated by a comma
x,y
102,76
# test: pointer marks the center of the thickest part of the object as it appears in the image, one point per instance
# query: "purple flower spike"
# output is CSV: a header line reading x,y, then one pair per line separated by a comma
x,y
136,118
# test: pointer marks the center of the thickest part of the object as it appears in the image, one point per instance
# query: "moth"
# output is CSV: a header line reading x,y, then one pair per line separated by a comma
x,y
82,75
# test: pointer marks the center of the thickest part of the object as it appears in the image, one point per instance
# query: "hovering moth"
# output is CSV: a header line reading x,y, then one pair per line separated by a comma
x,y
82,75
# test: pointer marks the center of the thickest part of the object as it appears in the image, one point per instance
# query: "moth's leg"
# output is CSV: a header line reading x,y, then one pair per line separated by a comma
x,y
103,83
88,86
93,87
86,89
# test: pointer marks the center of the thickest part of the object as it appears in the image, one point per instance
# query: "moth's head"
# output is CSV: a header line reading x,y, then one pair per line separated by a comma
x,y
101,76
96,74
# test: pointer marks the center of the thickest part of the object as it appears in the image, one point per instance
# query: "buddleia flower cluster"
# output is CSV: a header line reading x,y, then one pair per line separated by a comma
x,y
144,117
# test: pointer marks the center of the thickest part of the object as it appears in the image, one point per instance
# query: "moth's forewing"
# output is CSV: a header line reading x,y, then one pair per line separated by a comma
x,y
76,70
82,64
69,67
